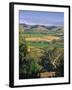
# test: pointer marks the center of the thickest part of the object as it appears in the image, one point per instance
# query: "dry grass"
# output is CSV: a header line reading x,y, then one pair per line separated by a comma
x,y
45,38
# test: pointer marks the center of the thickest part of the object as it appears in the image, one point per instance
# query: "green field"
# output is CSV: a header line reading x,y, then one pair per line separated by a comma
x,y
45,44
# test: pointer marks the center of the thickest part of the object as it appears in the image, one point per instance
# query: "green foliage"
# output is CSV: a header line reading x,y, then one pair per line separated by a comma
x,y
22,52
46,62
53,60
60,65
28,67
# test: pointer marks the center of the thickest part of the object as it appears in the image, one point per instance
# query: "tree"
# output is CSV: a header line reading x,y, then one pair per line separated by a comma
x,y
53,60
33,68
45,61
60,66
28,66
22,51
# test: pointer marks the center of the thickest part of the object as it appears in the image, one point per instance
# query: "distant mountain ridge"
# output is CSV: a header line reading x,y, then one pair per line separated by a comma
x,y
42,26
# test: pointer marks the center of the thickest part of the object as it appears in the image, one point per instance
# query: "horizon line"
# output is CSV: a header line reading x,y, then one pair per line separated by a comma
x,y
41,24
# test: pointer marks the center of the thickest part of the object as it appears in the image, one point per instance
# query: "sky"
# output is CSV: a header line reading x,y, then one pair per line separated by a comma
x,y
41,18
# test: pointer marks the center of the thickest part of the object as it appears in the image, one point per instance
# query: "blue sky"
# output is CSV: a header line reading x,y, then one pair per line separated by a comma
x,y
41,18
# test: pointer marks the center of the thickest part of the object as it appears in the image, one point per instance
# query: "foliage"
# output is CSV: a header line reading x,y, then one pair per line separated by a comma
x,y
53,60
28,67
46,62
60,66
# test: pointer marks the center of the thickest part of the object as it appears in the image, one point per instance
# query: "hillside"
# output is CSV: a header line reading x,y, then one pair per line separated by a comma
x,y
41,29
